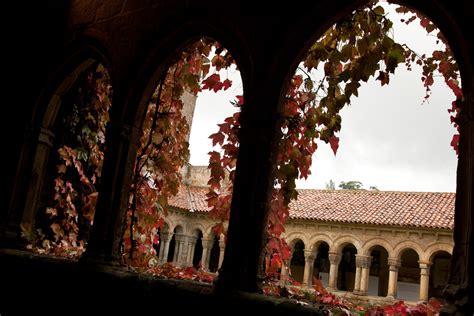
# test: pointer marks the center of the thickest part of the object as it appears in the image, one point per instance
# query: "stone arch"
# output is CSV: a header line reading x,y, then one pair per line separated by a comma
x,y
44,121
343,240
167,225
317,239
408,244
293,237
376,241
81,54
431,251
161,57
196,227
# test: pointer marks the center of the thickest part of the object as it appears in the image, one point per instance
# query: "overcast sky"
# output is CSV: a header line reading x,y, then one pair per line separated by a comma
x,y
389,139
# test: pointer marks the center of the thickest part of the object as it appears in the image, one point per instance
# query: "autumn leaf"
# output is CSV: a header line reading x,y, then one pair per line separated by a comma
x,y
455,143
217,138
334,142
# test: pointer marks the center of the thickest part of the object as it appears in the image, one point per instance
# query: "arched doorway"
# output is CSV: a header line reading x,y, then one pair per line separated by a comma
x,y
197,255
297,261
347,269
439,272
409,276
214,255
378,276
321,263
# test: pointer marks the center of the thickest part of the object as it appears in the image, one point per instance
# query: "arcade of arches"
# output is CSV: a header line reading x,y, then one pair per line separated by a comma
x,y
49,43
394,261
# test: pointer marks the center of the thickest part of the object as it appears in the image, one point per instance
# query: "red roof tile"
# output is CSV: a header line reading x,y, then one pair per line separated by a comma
x,y
419,209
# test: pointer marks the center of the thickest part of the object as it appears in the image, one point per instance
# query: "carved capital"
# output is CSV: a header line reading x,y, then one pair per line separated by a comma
x,y
310,255
334,258
180,237
207,242
46,137
424,267
363,261
192,239
394,264
165,236
221,244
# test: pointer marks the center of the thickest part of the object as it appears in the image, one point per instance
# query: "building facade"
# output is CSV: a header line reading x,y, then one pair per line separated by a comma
x,y
387,244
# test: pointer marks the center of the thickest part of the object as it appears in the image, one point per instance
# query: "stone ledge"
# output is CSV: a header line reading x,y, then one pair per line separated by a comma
x,y
49,285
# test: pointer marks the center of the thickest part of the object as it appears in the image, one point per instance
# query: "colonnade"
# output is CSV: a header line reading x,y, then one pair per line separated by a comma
x,y
184,250
361,284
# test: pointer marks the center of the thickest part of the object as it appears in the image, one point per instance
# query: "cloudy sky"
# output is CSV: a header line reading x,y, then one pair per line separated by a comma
x,y
389,138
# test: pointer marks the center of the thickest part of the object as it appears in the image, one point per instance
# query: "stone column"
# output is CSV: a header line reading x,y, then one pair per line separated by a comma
x,y
364,280
424,280
309,257
334,259
221,252
192,240
206,252
359,264
45,143
393,266
165,247
283,273
183,251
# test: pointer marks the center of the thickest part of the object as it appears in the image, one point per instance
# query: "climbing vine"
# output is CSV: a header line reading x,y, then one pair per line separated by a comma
x,y
80,154
354,50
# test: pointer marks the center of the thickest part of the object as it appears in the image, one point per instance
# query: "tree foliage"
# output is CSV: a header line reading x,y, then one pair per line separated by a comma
x,y
351,185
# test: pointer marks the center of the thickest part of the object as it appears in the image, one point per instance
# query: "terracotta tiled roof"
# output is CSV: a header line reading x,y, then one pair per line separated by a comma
x,y
190,198
419,209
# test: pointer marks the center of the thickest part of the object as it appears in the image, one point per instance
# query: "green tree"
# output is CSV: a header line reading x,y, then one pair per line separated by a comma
x,y
351,185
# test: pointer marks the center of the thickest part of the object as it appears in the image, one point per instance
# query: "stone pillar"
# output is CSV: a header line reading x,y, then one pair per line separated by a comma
x,y
221,252
309,257
359,264
206,252
165,247
192,240
424,280
283,273
183,251
459,292
334,259
393,266
364,280
45,143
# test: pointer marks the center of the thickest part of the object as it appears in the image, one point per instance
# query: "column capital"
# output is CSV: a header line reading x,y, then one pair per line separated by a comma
x,y
310,255
180,237
334,258
394,264
424,267
166,236
192,239
363,261
46,136
207,242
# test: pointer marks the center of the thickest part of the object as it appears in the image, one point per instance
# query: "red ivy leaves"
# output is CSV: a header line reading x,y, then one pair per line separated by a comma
x,y
334,142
